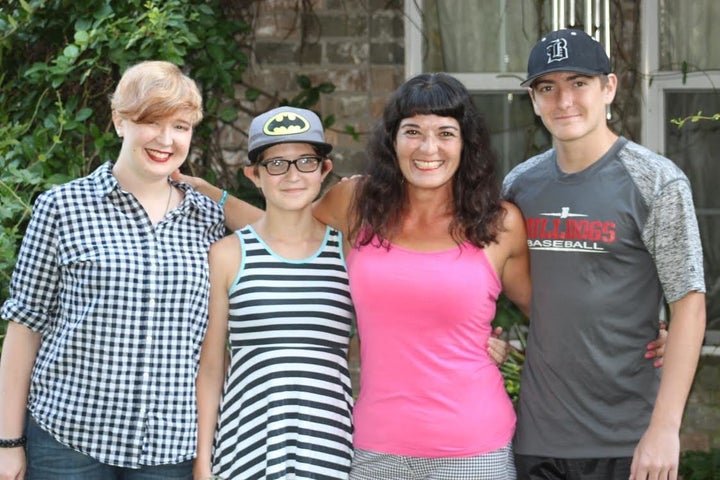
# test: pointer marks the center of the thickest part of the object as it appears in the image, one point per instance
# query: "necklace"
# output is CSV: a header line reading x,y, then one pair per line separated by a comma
x,y
167,207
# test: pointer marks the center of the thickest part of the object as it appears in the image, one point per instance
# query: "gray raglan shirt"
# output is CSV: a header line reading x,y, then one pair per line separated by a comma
x,y
606,245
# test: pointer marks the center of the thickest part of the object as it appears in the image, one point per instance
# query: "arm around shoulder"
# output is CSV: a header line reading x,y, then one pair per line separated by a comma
x,y
334,208
238,213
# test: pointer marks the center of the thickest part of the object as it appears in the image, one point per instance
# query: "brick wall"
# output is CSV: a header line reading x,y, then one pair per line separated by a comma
x,y
701,423
356,45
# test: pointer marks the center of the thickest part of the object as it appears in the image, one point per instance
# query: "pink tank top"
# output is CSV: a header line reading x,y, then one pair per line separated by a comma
x,y
427,385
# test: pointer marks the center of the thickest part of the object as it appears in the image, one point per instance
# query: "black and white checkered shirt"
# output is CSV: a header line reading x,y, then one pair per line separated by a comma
x,y
122,307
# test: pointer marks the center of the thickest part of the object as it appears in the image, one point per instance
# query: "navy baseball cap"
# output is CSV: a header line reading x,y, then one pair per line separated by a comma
x,y
285,125
566,51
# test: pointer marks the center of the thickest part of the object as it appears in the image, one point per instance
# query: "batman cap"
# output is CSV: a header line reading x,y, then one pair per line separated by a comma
x,y
285,125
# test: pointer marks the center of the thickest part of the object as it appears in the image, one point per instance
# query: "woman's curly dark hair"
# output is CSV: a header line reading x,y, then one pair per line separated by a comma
x,y
380,199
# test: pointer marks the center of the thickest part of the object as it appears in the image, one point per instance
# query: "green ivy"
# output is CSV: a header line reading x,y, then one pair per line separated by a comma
x,y
514,323
700,465
59,62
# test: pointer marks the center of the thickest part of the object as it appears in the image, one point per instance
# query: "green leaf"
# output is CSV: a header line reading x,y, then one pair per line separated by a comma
x,y
326,87
83,24
36,69
82,37
50,121
227,114
83,114
103,12
303,81
252,94
71,51
313,97
205,9
26,6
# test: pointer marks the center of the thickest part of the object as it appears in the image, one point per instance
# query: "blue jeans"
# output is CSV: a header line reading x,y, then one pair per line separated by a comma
x,y
48,459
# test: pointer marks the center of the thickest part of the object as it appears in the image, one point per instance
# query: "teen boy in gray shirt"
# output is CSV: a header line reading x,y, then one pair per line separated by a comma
x,y
611,230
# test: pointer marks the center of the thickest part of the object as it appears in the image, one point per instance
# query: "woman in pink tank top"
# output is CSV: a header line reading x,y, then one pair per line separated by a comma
x,y
434,245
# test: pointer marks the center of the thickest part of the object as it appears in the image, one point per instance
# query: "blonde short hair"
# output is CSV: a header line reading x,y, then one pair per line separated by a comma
x,y
152,90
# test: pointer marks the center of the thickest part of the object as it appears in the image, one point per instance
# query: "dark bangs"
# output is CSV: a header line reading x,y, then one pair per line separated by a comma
x,y
427,94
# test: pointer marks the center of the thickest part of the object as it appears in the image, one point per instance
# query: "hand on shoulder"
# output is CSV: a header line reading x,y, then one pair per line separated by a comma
x,y
197,183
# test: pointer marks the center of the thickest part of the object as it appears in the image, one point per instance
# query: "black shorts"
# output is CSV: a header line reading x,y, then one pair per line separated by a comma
x,y
544,468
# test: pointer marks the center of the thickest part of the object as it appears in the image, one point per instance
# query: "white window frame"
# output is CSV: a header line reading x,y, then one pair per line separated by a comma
x,y
657,82
506,82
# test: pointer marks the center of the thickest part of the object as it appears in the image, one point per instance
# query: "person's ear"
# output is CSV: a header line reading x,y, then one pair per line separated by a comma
x,y
531,92
610,88
251,172
119,124
326,167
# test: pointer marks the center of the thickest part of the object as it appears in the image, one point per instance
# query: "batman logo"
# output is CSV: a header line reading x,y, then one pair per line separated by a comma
x,y
286,123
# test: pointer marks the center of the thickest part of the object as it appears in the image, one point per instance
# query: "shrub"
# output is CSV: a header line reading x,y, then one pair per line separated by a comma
x,y
59,62
700,465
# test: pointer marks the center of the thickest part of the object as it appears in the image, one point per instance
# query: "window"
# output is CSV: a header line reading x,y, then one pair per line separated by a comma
x,y
682,55
485,45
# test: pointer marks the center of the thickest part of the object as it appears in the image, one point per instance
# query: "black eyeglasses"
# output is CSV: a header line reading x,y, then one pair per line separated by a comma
x,y
279,166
